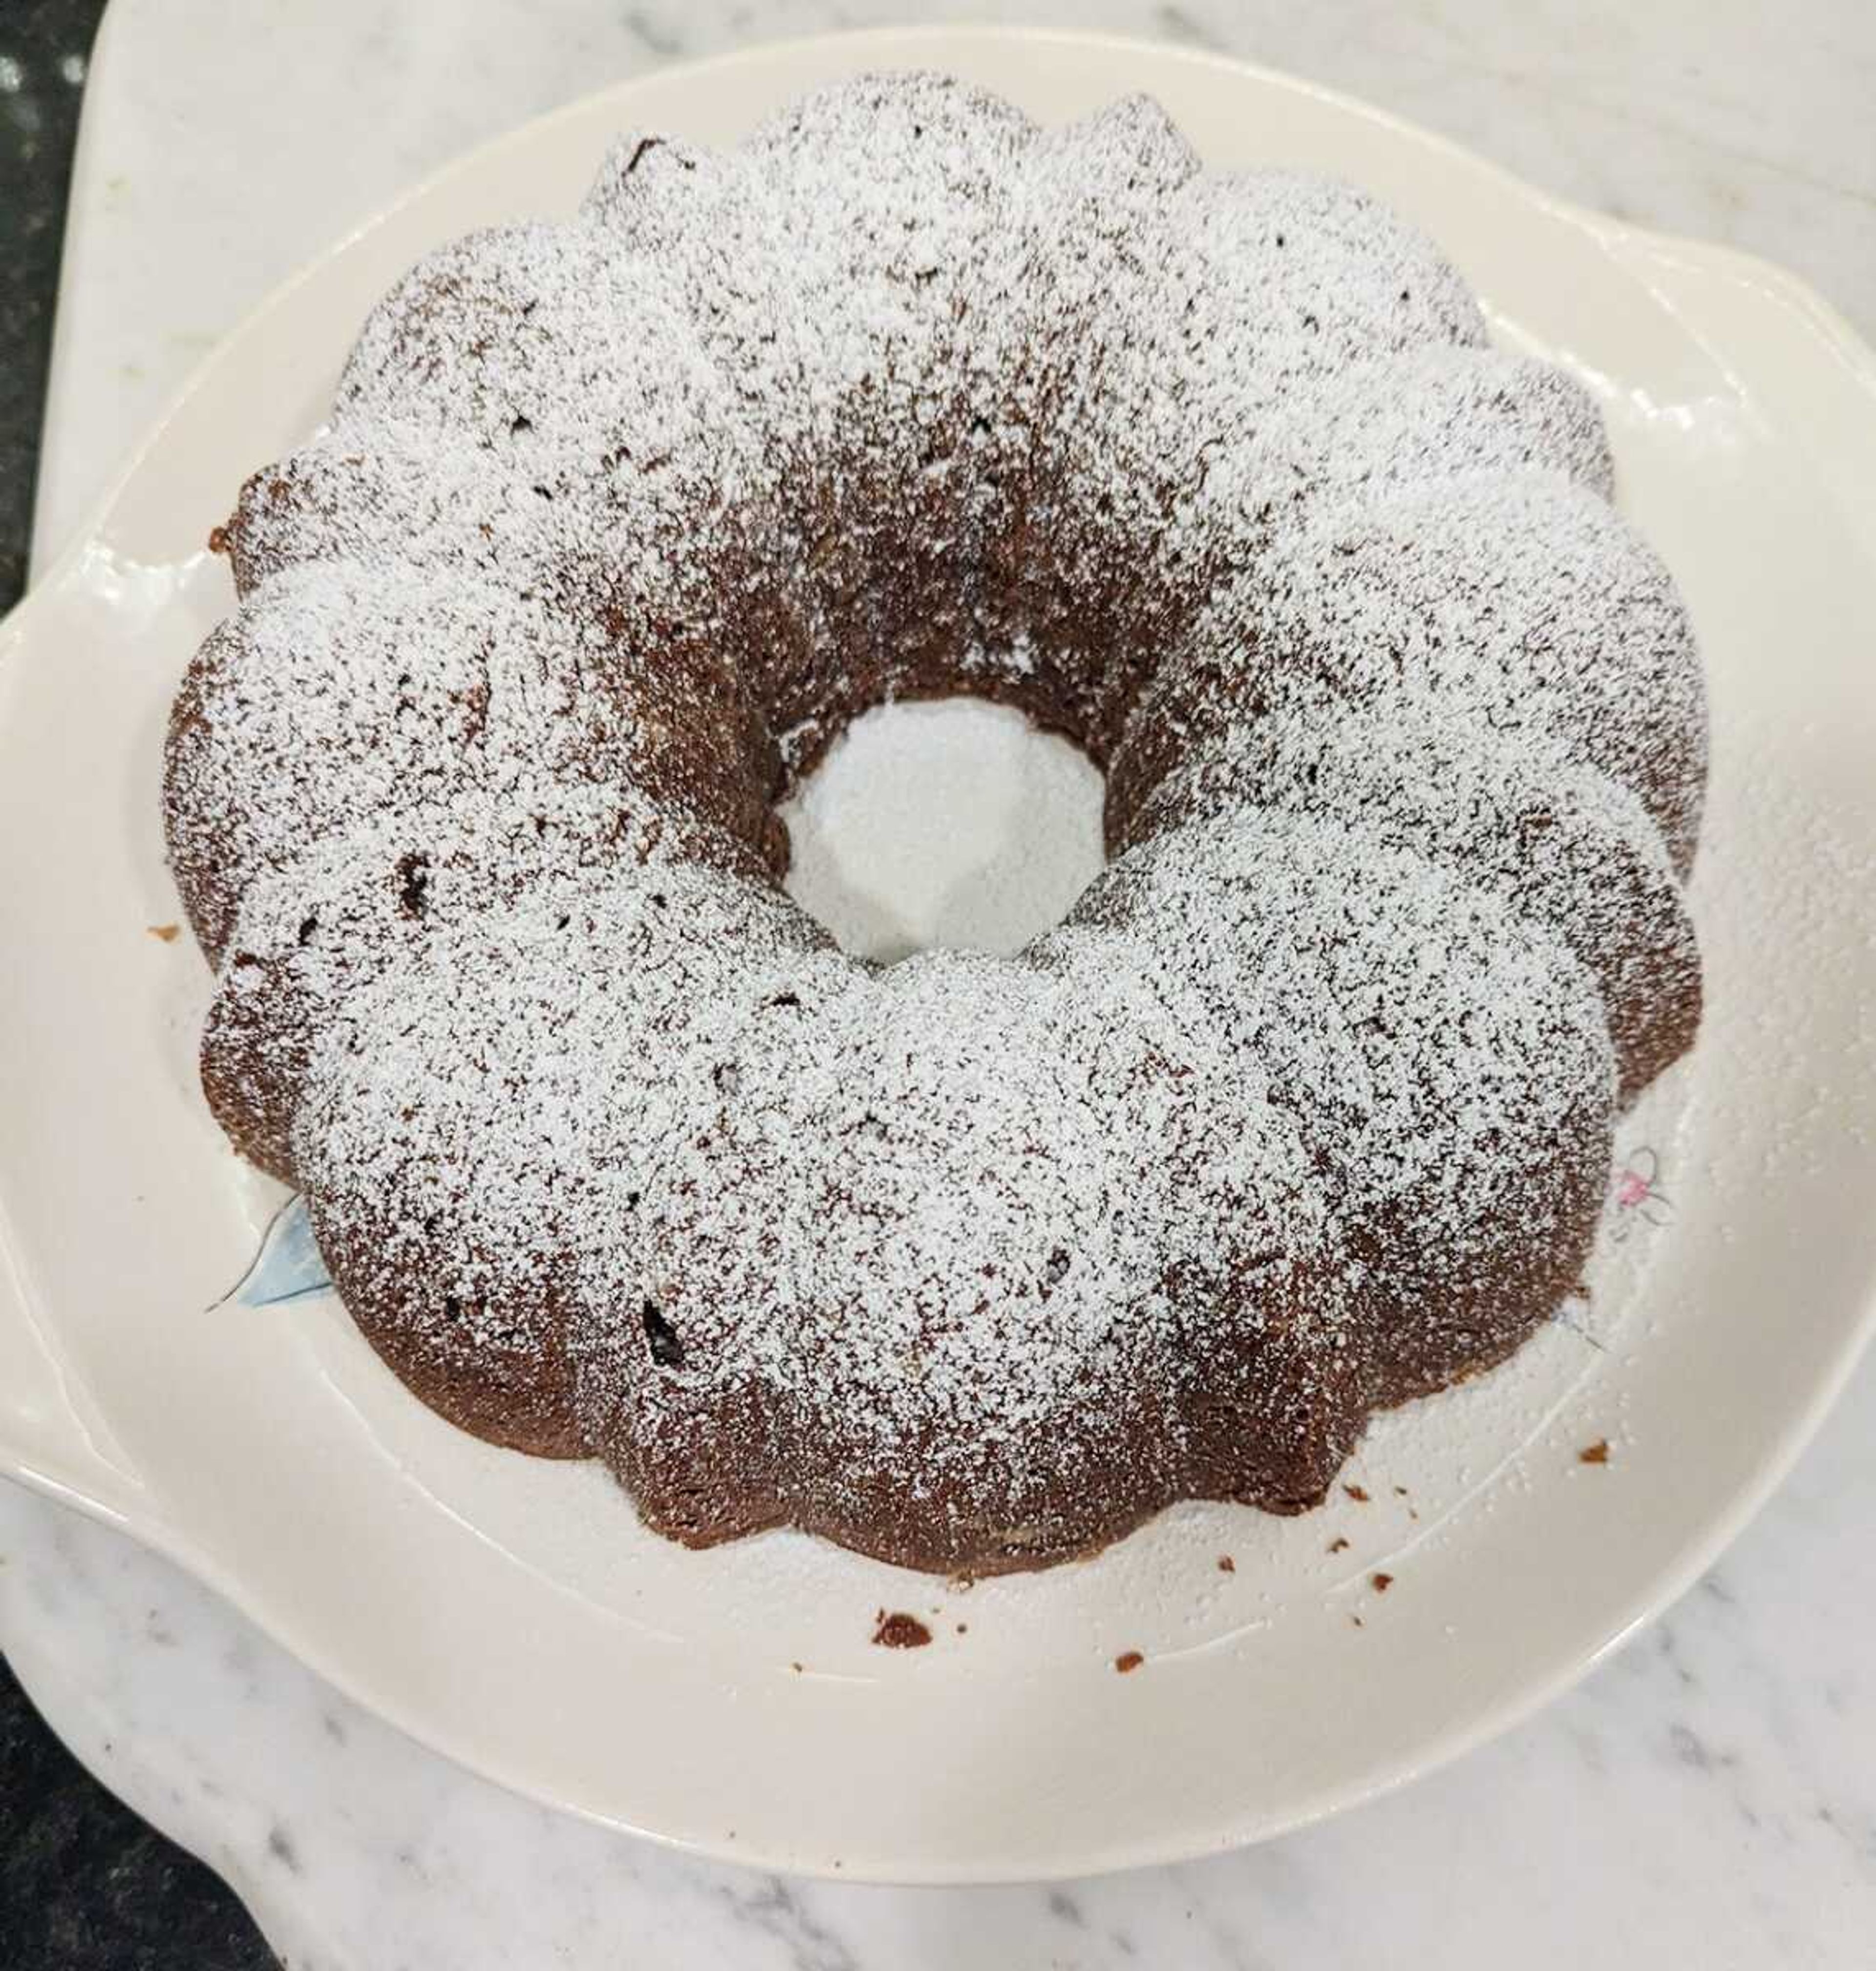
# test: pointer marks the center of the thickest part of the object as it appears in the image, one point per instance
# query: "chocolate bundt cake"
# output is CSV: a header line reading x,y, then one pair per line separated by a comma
x,y
968,1262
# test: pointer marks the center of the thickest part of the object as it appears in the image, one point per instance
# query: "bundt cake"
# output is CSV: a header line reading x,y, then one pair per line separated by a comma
x,y
969,1262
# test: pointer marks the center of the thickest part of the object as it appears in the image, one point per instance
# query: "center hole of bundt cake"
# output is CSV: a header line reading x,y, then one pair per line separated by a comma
x,y
955,824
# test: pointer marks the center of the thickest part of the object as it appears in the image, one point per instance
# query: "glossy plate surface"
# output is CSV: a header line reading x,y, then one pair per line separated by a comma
x,y
513,1614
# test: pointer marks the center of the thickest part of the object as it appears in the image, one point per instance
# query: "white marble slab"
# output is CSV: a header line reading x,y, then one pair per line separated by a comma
x,y
1710,1792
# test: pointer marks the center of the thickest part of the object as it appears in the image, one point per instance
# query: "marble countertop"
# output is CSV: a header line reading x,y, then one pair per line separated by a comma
x,y
1710,1790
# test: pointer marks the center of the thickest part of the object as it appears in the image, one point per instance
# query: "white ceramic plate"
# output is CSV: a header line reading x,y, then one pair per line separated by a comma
x,y
513,1614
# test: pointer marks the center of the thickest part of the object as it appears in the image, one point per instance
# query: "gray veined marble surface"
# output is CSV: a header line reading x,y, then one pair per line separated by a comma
x,y
1709,1793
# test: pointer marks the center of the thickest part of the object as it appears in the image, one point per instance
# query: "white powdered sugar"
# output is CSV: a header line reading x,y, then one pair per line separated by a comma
x,y
971,1258
953,824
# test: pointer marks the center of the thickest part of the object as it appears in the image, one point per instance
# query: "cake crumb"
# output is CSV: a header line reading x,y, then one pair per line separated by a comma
x,y
1339,1544
899,1631
1357,1493
1128,1660
1226,1564
1358,1622
1594,1454
166,934
1382,1582
796,1667
964,1628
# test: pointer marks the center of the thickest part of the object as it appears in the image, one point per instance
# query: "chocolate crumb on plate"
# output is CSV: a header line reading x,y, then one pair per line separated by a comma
x,y
899,1631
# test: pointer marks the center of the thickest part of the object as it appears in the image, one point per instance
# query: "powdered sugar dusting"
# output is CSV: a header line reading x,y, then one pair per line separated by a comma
x,y
978,1259
954,825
